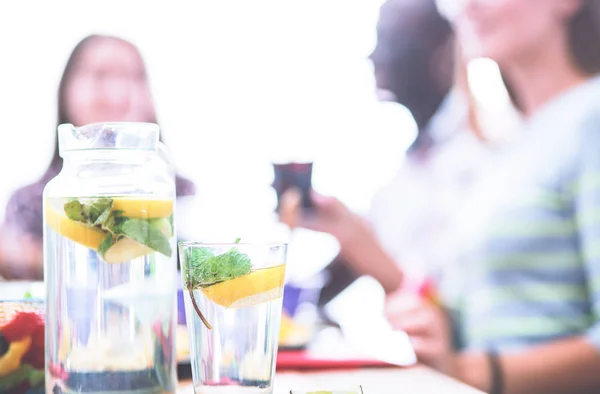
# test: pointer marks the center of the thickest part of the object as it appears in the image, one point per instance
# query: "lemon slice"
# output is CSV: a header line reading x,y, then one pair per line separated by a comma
x,y
182,343
123,251
286,327
261,285
143,209
126,250
292,333
75,231
359,391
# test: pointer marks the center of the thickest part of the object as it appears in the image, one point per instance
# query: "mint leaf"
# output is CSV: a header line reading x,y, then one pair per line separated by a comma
x,y
74,211
98,210
194,263
24,373
112,221
36,377
94,213
204,269
106,244
141,231
164,225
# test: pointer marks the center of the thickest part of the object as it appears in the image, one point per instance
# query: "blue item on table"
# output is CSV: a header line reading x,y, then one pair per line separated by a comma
x,y
297,294
180,308
180,305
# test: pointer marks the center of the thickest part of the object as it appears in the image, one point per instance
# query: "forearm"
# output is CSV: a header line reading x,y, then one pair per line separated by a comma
x,y
562,367
369,258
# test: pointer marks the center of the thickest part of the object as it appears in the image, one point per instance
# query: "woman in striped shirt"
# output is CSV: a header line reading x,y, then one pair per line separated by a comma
x,y
529,314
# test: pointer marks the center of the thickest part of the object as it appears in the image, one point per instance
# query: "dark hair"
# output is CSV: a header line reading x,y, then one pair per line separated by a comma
x,y
414,56
184,186
584,37
437,43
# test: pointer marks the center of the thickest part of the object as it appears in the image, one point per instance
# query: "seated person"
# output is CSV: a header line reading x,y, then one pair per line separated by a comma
x,y
95,61
410,226
528,316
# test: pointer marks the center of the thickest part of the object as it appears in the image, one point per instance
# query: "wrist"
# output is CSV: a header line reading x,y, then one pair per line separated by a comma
x,y
473,368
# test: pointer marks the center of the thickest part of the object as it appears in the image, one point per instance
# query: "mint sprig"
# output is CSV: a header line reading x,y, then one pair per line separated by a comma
x,y
203,269
93,213
141,231
98,213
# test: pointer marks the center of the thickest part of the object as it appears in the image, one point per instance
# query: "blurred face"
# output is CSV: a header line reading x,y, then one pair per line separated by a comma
x,y
509,30
396,47
108,83
389,45
402,58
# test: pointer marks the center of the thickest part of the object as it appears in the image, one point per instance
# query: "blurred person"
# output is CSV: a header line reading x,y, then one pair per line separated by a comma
x,y
409,227
529,315
104,80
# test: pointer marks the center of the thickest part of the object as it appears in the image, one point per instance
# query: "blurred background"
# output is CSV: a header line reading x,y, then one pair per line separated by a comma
x,y
441,203
265,80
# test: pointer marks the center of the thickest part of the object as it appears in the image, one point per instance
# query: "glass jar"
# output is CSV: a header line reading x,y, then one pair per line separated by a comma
x,y
110,262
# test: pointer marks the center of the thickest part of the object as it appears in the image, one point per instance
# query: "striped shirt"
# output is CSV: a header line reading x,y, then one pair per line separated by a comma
x,y
418,233
532,234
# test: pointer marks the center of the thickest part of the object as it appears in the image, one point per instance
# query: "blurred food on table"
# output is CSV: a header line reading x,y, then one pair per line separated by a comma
x,y
21,346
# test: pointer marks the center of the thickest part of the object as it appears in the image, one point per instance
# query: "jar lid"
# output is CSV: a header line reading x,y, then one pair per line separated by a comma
x,y
110,135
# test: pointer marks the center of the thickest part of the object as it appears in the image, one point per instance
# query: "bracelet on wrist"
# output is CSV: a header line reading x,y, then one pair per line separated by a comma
x,y
496,373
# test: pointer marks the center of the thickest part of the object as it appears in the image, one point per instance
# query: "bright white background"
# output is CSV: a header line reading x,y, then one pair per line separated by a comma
x,y
236,84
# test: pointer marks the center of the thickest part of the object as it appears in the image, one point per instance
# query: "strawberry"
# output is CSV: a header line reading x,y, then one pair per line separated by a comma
x,y
35,356
27,324
21,326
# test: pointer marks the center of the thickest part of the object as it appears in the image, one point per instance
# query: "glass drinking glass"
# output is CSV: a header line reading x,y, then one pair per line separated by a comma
x,y
233,301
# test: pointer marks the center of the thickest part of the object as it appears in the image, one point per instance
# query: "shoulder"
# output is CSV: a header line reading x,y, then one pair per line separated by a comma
x,y
184,187
572,149
29,198
583,137
588,128
24,210
585,118
27,195
566,132
587,144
